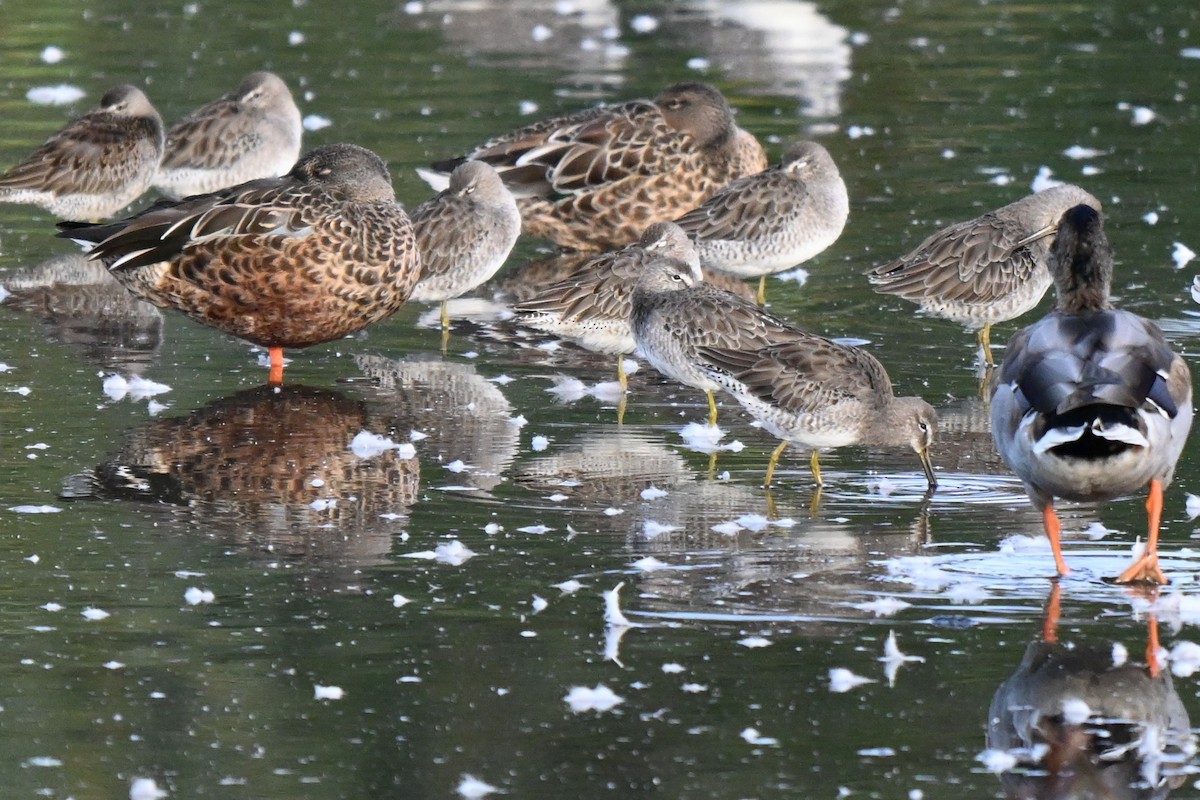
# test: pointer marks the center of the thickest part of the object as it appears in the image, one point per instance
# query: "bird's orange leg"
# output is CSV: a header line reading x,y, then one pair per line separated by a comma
x,y
1146,569
1053,533
275,378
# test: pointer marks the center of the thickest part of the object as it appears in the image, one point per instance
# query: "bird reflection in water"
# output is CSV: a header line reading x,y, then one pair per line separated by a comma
x,y
1084,722
83,307
465,419
271,468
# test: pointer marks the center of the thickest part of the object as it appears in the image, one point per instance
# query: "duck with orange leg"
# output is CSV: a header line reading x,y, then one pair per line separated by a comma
x,y
295,261
1091,402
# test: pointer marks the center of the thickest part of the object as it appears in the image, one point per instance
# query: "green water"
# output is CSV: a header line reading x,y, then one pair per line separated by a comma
x,y
469,677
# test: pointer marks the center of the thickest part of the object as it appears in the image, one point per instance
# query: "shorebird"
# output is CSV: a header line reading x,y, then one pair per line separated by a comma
x,y
986,270
1091,402
96,165
465,234
597,178
253,132
282,262
774,220
804,388
593,307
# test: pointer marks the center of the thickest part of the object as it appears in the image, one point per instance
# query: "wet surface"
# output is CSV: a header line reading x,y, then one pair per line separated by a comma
x,y
432,531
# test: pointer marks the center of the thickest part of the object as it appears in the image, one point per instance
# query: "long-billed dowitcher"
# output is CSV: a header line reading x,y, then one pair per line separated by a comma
x,y
597,178
774,220
253,132
282,262
465,234
804,388
94,166
986,270
1091,402
593,307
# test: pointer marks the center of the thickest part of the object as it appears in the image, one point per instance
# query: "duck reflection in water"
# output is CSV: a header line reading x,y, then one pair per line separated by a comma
x,y
274,469
1085,722
84,307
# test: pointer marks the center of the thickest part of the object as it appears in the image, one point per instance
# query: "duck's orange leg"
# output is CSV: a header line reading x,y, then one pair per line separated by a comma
x,y
1146,569
1054,534
275,378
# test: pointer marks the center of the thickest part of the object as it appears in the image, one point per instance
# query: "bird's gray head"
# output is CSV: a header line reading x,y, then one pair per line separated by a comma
x,y
1081,261
806,159
911,422
127,101
263,89
477,179
698,109
664,274
353,171
668,240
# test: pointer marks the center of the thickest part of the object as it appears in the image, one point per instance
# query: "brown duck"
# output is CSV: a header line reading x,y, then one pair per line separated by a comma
x,y
294,261
596,179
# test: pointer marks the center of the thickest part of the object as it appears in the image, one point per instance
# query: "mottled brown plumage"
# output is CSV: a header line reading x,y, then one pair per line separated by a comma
x,y
774,220
986,270
97,164
593,306
596,179
251,133
465,234
804,388
282,262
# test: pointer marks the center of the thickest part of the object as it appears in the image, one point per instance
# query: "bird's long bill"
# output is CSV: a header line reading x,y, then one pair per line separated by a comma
x,y
927,465
1038,234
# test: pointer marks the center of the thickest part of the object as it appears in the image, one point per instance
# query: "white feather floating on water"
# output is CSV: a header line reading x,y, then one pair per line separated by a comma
x,y
145,789
599,699
997,761
1181,254
883,606
59,95
752,736
472,788
892,658
612,607
452,552
843,680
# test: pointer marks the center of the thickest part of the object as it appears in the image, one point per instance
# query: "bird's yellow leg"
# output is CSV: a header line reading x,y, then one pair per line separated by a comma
x,y
712,408
775,456
814,464
985,341
762,290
